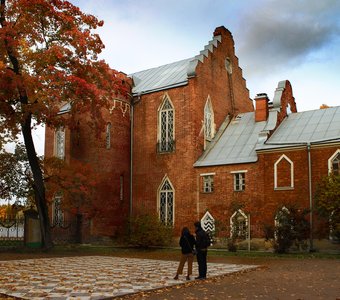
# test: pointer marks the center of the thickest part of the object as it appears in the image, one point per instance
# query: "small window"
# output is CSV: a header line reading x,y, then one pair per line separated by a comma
x,y
108,136
208,183
239,182
336,165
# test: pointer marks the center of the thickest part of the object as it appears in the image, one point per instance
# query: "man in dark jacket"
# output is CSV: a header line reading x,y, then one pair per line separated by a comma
x,y
202,243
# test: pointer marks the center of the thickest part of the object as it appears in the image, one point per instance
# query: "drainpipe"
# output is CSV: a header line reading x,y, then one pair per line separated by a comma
x,y
131,158
133,102
311,248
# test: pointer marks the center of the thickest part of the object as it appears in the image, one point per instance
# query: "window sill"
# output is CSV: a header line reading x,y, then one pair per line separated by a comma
x,y
287,188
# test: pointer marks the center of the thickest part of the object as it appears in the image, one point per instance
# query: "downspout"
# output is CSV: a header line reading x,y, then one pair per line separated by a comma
x,y
311,248
133,102
131,156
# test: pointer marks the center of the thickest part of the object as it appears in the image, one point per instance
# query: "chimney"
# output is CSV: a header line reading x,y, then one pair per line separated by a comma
x,y
221,30
261,103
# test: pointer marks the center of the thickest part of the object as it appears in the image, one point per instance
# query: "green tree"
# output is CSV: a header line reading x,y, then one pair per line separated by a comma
x,y
327,203
49,57
16,181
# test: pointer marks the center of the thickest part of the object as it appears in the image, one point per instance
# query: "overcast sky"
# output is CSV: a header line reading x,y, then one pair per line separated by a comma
x,y
298,40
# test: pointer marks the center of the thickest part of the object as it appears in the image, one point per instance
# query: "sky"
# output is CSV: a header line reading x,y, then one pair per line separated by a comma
x,y
295,40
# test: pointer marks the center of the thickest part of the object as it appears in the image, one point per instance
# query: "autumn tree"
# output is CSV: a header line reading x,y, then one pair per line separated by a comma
x,y
49,57
327,203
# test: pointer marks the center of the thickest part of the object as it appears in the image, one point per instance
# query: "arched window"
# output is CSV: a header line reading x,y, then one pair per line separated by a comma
x,y
59,143
108,135
334,163
283,173
166,202
166,126
57,213
239,225
209,130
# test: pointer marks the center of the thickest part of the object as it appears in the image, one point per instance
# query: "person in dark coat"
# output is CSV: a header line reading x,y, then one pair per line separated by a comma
x,y
202,243
187,243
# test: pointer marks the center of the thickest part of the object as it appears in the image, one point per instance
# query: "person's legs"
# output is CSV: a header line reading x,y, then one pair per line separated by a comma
x,y
190,261
204,264
181,266
200,261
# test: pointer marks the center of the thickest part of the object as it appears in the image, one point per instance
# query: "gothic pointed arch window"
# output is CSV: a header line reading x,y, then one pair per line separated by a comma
x,y
166,126
283,173
59,143
239,225
334,163
166,202
209,130
57,212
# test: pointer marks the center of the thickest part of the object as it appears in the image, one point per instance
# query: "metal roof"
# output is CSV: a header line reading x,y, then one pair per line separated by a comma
x,y
315,126
167,76
171,75
236,144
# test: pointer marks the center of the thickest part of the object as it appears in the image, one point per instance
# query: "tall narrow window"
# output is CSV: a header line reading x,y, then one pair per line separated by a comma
x,y
57,213
166,137
60,143
208,121
108,136
239,182
166,203
283,173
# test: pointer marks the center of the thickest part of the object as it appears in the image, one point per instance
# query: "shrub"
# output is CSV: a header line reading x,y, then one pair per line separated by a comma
x,y
291,227
146,230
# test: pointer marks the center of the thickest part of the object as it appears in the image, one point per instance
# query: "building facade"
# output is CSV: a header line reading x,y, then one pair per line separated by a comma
x,y
189,145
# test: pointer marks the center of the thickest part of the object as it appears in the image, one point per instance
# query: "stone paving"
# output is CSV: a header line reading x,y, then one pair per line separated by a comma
x,y
93,277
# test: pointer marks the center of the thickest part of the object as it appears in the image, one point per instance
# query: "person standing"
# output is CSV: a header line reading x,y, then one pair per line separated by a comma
x,y
202,244
187,243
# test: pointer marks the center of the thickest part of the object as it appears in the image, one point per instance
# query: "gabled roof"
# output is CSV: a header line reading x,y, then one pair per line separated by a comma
x,y
315,126
163,77
238,141
235,143
170,75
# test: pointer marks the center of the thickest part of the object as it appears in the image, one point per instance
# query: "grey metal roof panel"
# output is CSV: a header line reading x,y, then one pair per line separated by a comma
x,y
306,127
236,144
166,76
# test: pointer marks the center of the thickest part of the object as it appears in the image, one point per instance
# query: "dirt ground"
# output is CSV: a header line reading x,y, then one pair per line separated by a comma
x,y
278,278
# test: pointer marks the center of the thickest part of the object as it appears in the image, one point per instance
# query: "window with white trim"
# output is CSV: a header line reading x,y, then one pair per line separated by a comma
x,y
334,163
208,183
166,202
239,181
209,130
239,225
60,143
283,173
166,126
108,135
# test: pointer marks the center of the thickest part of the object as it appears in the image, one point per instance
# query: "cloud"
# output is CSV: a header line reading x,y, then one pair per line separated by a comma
x,y
277,34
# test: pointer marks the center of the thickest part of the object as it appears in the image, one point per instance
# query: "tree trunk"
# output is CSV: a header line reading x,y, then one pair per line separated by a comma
x,y
39,187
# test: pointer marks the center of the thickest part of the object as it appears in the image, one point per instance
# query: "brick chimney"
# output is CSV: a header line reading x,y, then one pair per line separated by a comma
x,y
220,30
261,103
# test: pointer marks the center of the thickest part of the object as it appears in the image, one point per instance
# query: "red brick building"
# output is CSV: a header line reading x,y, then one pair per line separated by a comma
x,y
188,145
